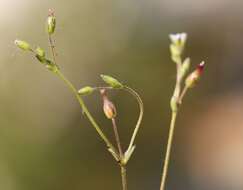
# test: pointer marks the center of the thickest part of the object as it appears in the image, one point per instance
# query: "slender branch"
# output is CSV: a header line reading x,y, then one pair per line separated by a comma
x,y
117,137
175,96
81,102
141,108
183,93
168,150
53,51
123,167
86,111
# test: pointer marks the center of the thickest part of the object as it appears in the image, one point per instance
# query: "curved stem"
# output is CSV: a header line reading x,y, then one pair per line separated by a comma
x,y
86,111
141,108
168,150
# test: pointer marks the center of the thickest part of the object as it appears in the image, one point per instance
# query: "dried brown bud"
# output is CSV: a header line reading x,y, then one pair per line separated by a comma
x,y
108,107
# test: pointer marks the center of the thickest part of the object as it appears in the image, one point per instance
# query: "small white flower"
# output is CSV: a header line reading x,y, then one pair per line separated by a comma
x,y
178,39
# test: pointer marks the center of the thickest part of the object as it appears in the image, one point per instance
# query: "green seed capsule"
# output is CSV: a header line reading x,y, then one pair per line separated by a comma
x,y
111,81
85,90
23,45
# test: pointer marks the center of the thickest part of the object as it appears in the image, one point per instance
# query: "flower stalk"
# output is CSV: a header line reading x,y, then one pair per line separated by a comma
x,y
177,46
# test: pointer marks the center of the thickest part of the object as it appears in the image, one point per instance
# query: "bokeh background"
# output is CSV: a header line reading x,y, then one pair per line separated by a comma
x,y
46,143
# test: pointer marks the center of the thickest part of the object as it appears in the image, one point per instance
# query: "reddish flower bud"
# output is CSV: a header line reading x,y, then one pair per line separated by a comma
x,y
194,77
108,106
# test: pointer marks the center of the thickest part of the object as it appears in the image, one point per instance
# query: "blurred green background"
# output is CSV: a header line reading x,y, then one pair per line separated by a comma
x,y
46,143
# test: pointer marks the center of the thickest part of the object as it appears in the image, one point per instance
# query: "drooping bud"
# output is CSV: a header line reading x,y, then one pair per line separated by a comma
x,y
194,77
185,67
51,22
85,90
108,107
23,45
114,83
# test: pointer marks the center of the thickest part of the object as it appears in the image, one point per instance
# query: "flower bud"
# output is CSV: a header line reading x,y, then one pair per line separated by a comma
x,y
178,42
40,52
23,45
194,77
178,39
51,22
111,81
85,90
185,67
108,107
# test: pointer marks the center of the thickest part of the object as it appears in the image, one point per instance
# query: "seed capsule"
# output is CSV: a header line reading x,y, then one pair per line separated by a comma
x,y
111,81
85,90
51,22
23,45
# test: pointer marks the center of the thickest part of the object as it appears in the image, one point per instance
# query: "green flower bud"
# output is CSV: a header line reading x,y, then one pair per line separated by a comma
x,y
177,46
178,39
51,22
23,45
111,81
40,52
185,67
85,90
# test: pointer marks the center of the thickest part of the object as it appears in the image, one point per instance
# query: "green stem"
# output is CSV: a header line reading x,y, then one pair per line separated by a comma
x,y
86,111
168,150
123,166
124,177
184,91
141,108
